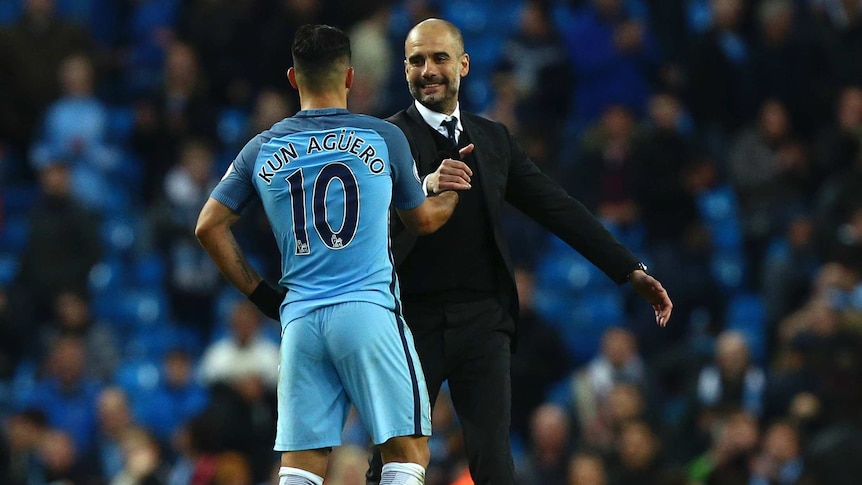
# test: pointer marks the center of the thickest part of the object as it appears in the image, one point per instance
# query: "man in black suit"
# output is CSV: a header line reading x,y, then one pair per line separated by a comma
x,y
457,285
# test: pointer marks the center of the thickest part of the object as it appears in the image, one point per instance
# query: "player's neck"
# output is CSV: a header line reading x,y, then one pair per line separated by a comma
x,y
323,100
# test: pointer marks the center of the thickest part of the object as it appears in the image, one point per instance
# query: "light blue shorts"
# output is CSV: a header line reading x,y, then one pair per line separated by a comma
x,y
350,353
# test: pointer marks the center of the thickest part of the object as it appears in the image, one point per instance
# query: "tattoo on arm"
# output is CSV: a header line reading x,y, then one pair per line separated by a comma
x,y
249,275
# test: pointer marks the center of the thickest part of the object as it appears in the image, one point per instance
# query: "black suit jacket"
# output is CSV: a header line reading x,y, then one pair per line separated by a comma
x,y
509,175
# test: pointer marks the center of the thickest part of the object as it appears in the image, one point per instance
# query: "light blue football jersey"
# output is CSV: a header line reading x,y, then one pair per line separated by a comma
x,y
326,179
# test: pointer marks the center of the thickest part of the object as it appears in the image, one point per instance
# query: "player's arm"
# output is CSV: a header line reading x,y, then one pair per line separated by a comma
x,y
214,233
431,214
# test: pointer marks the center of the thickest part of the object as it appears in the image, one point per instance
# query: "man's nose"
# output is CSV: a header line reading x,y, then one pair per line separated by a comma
x,y
429,70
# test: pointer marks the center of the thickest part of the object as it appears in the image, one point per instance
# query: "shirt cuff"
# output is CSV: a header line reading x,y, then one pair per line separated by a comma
x,y
425,185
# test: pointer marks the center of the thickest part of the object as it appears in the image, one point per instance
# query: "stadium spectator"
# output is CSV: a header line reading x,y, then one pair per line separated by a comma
x,y
373,60
244,354
837,28
734,445
720,84
604,177
142,460
191,280
277,32
549,447
22,434
543,80
586,468
217,30
613,54
114,421
177,110
732,381
787,65
63,245
540,361
780,459
838,143
638,458
75,127
609,390
764,167
31,52
65,393
72,318
665,188
177,398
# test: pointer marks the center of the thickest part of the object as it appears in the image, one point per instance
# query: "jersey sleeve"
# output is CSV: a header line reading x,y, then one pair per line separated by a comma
x,y
407,187
236,188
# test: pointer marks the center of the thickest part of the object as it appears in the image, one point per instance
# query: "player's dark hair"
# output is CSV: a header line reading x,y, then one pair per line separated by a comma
x,y
317,49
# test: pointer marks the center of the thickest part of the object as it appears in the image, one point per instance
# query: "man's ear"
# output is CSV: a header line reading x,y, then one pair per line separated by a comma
x,y
465,64
348,81
291,76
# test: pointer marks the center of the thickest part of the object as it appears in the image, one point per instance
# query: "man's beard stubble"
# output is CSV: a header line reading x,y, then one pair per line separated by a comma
x,y
439,105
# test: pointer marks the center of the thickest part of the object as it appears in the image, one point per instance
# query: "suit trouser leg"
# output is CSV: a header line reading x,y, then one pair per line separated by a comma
x,y
478,354
464,345
481,395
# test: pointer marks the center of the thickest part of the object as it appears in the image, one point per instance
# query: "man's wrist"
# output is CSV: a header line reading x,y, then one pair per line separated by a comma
x,y
641,266
268,298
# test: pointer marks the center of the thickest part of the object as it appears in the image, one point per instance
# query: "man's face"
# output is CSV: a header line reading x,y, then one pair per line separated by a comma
x,y
435,63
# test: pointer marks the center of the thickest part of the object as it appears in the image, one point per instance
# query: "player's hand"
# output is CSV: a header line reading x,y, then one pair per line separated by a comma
x,y
451,174
653,292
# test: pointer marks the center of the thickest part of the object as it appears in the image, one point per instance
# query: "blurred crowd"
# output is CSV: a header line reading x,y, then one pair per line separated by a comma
x,y
718,139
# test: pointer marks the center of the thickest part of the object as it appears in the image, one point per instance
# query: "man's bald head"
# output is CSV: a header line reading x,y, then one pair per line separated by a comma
x,y
435,27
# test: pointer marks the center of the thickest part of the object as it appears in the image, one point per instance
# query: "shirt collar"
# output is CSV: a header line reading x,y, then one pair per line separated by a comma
x,y
435,120
321,112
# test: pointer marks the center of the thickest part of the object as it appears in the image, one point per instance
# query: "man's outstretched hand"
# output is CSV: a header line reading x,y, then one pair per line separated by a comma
x,y
451,174
653,292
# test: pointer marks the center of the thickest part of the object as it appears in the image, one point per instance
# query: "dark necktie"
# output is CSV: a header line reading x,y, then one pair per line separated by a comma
x,y
451,129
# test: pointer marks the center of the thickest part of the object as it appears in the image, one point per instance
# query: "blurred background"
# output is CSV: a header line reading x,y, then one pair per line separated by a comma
x,y
718,139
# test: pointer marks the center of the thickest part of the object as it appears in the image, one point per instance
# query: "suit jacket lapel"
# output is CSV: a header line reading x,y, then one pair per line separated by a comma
x,y
426,149
487,171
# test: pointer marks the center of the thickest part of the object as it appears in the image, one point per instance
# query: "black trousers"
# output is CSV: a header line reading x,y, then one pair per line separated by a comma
x,y
468,345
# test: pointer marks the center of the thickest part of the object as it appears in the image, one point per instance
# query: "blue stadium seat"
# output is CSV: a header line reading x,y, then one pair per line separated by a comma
x,y
725,234
232,125
471,17
747,315
119,234
149,270
586,319
9,264
107,277
729,269
131,310
155,341
9,12
718,203
121,123
138,374
14,233
18,199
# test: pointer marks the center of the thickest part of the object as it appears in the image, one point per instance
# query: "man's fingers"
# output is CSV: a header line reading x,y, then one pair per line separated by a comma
x,y
465,151
453,181
452,166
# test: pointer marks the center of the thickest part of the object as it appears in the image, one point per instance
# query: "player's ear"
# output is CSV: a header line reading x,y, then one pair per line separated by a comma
x,y
291,76
348,81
